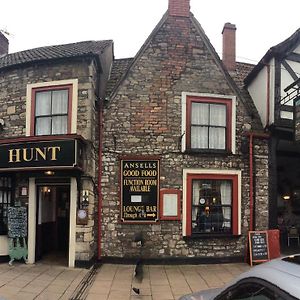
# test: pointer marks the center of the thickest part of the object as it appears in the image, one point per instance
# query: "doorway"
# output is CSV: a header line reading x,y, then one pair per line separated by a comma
x,y
52,223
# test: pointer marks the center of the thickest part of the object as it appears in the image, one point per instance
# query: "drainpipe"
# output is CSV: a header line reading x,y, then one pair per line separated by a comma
x,y
99,178
252,135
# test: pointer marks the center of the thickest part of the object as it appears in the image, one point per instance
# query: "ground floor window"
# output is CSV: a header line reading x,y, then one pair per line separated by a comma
x,y
212,204
5,201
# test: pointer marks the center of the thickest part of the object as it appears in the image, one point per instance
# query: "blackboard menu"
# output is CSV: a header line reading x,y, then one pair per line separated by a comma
x,y
139,190
17,222
258,246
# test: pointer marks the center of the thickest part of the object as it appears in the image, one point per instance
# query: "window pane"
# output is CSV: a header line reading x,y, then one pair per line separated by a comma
x,y
217,138
43,126
60,102
200,113
59,125
218,115
199,137
43,103
211,206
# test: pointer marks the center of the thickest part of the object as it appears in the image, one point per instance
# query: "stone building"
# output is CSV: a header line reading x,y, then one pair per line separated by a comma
x,y
49,103
184,157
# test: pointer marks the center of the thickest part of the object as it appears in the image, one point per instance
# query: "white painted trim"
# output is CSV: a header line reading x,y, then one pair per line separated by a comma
x,y
209,171
73,82
72,225
31,220
184,95
3,245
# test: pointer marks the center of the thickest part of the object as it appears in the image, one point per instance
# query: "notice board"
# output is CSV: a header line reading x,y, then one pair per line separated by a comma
x,y
258,246
139,190
17,222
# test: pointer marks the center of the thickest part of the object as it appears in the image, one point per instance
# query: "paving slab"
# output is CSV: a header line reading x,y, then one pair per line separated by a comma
x,y
44,281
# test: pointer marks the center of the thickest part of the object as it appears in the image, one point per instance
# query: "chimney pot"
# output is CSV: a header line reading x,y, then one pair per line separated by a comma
x,y
179,8
3,44
228,56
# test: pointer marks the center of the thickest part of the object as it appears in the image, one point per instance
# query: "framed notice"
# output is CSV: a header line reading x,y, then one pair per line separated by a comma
x,y
170,204
139,190
258,246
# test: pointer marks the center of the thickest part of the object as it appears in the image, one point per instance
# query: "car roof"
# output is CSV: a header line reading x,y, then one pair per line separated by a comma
x,y
283,273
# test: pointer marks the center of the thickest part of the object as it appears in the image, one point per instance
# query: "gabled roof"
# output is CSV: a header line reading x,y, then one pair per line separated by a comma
x,y
280,50
119,68
86,48
235,84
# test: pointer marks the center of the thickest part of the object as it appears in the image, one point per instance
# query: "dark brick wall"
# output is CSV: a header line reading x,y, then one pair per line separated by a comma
x,y
144,118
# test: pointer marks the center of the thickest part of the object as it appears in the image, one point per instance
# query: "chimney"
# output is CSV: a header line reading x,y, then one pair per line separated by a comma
x,y
179,8
3,44
229,46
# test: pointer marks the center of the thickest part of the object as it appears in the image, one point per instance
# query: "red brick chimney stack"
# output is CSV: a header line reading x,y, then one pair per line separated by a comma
x,y
179,8
3,44
229,46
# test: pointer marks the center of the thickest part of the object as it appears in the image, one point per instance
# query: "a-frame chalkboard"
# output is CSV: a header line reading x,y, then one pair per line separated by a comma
x,y
258,246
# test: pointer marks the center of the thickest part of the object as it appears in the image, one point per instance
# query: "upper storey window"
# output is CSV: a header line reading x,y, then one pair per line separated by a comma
x,y
51,108
52,111
208,123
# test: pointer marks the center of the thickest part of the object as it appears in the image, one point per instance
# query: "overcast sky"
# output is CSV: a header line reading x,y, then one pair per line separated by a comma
x,y
260,24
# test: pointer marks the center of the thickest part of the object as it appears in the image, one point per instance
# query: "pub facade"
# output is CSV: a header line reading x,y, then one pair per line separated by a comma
x,y
50,98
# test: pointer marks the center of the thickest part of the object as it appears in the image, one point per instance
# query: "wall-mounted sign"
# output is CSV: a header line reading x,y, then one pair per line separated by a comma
x,y
139,190
56,153
297,118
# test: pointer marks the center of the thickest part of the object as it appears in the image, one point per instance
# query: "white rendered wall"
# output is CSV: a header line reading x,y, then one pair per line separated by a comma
x,y
258,92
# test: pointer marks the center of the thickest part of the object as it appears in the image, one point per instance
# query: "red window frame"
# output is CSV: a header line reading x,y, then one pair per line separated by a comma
x,y
235,200
51,88
227,102
161,204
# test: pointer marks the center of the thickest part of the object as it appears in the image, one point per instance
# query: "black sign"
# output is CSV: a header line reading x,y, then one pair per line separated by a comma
x,y
140,188
17,222
297,119
60,153
258,246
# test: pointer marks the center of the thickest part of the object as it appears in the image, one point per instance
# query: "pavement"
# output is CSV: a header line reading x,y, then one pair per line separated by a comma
x,y
111,281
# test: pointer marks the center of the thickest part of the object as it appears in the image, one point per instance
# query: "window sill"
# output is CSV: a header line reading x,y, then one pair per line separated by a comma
x,y
211,236
208,152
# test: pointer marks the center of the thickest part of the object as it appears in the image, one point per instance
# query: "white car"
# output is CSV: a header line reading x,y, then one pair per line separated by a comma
x,y
274,280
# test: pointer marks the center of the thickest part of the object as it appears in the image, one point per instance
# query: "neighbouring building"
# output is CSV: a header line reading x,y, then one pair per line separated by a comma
x,y
184,154
274,87
49,131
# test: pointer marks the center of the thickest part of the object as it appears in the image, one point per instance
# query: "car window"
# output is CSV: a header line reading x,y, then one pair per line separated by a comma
x,y
250,291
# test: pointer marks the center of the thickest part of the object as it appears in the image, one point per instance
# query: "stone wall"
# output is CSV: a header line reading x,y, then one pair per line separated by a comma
x,y
144,119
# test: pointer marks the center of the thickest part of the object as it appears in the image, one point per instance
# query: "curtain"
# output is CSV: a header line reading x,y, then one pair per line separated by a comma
x,y
60,102
226,199
59,125
208,126
43,126
51,111
217,135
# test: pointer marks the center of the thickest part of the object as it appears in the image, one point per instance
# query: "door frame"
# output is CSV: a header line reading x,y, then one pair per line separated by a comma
x,y
32,206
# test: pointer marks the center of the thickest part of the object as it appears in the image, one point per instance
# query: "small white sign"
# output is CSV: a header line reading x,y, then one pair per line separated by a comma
x,y
136,198
170,203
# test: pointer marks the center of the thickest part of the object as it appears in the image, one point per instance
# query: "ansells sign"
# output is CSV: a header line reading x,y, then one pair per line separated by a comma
x,y
139,190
